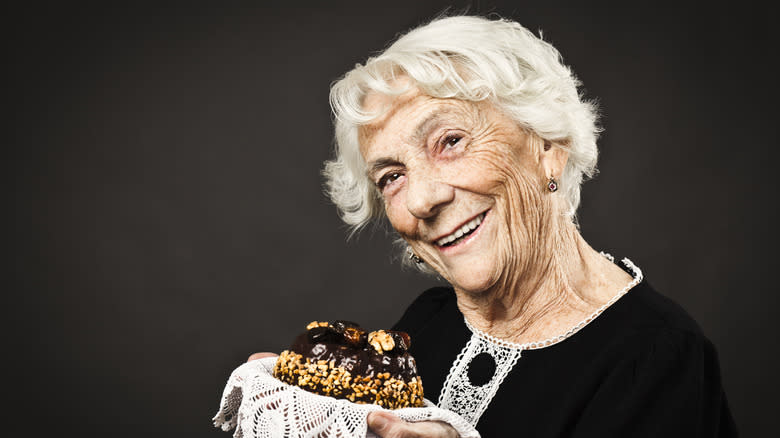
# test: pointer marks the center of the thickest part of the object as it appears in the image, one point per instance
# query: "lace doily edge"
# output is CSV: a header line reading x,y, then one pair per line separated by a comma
x,y
229,414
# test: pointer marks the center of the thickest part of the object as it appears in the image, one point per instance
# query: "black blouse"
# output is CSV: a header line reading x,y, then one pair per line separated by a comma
x,y
642,368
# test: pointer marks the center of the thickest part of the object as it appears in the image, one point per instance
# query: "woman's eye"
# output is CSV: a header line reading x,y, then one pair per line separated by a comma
x,y
451,140
388,178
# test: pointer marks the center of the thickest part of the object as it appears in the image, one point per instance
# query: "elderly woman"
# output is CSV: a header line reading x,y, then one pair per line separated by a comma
x,y
470,136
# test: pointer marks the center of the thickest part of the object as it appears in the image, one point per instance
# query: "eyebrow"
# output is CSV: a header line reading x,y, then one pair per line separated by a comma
x,y
423,129
381,163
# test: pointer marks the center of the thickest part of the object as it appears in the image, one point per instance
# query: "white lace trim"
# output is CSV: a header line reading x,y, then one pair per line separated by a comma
x,y
469,401
258,405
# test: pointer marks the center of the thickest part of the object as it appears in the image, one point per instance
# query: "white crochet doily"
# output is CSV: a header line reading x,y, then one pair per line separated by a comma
x,y
258,405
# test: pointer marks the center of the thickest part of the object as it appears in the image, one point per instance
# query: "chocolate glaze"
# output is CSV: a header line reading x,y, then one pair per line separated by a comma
x,y
364,361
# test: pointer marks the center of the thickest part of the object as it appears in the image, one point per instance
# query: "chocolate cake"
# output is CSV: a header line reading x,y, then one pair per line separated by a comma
x,y
342,360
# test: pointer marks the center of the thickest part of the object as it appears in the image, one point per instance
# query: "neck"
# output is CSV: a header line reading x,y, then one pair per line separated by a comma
x,y
563,282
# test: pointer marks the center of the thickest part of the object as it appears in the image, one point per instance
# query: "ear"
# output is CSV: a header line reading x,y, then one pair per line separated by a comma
x,y
553,159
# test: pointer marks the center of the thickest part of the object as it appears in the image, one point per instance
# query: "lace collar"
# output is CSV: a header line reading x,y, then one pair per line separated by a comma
x,y
637,274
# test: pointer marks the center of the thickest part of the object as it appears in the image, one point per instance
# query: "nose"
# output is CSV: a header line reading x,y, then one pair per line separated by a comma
x,y
425,196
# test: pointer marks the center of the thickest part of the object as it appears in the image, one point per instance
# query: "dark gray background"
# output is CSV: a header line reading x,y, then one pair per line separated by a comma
x,y
167,216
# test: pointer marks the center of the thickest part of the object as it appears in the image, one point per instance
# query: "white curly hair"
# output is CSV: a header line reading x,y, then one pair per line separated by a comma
x,y
471,58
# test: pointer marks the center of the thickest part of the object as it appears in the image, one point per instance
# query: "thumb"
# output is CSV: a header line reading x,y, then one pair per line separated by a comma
x,y
383,423
260,356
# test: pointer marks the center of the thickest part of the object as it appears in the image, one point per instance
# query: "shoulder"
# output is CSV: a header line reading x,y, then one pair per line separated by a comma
x,y
645,326
657,367
652,359
644,310
425,307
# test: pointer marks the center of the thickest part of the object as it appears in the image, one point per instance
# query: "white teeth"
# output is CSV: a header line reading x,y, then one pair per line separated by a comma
x,y
470,226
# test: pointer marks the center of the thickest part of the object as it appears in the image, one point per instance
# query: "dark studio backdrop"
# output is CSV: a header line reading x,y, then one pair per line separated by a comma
x,y
168,218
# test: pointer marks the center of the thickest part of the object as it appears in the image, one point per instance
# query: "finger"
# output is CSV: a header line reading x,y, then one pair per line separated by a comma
x,y
429,429
260,356
434,429
385,425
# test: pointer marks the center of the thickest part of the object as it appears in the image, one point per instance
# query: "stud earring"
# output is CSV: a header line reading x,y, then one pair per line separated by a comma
x,y
552,185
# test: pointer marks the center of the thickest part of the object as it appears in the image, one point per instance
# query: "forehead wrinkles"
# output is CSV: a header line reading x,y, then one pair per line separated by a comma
x,y
419,115
386,107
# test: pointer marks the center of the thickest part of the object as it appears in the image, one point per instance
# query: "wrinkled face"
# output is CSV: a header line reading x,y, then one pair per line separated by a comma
x,y
462,184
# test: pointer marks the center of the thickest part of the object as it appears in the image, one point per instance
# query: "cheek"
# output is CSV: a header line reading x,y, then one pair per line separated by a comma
x,y
527,216
515,181
498,170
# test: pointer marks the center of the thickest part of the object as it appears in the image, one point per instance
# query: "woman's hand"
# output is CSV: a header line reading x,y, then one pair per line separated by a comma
x,y
387,425
260,356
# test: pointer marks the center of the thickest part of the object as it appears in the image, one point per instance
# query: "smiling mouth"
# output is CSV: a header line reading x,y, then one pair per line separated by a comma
x,y
461,233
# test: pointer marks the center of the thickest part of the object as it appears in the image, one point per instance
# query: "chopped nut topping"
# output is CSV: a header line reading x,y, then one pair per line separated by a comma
x,y
381,341
314,324
325,378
